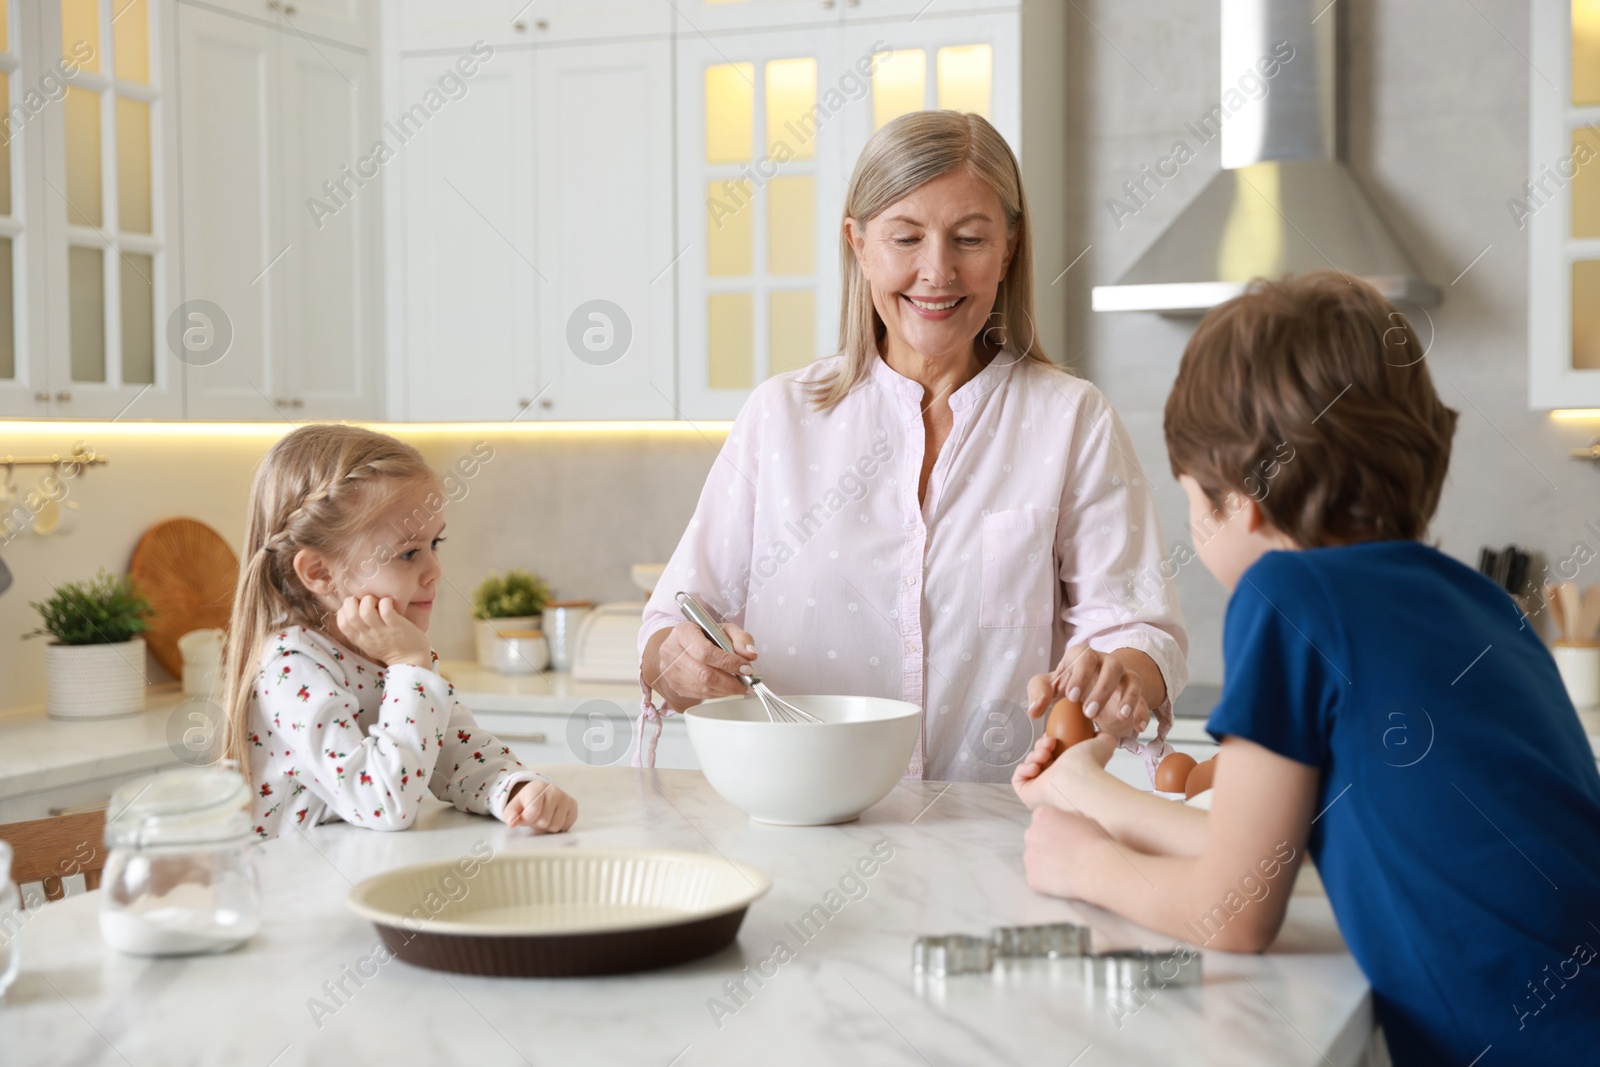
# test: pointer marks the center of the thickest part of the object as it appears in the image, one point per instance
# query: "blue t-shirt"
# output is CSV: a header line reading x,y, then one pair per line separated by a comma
x,y
1459,826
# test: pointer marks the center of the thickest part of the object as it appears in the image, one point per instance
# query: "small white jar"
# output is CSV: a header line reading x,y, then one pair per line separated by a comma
x,y
521,652
181,878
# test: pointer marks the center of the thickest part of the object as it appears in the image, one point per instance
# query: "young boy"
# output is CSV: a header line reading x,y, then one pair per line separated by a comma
x,y
1384,706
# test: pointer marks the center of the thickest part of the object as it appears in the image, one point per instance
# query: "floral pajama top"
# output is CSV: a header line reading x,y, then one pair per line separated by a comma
x,y
336,736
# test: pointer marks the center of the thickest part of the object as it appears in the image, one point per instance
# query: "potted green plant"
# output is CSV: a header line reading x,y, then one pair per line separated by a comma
x,y
511,601
94,667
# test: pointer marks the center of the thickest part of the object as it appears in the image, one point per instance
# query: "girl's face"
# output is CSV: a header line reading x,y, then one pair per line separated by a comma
x,y
398,555
934,262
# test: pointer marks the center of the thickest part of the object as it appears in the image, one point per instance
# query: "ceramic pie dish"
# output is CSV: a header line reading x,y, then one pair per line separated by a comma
x,y
561,912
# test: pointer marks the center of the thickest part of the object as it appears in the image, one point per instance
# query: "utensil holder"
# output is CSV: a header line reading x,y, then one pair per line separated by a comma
x,y
1579,664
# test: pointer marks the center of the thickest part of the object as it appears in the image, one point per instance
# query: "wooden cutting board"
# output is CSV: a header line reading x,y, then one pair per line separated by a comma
x,y
188,573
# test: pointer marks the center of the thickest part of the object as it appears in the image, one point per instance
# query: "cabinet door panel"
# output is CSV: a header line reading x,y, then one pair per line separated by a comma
x,y
699,16
430,24
227,86
605,209
329,193
761,174
964,63
468,244
350,22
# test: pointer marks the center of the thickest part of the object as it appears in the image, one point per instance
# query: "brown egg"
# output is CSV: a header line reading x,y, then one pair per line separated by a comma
x,y
1200,778
1067,724
1174,772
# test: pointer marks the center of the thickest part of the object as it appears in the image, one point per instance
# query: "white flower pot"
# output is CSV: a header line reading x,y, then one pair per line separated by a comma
x,y
487,631
94,681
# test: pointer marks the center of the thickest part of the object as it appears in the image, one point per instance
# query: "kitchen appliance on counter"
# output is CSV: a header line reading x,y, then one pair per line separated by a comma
x,y
606,648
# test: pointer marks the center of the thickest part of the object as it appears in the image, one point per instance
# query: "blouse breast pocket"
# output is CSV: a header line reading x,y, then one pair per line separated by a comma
x,y
1019,571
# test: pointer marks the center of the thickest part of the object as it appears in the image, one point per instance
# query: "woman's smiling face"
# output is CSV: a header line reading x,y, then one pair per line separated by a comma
x,y
934,261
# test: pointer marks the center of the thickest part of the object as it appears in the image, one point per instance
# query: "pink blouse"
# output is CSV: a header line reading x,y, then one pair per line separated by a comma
x,y
1038,531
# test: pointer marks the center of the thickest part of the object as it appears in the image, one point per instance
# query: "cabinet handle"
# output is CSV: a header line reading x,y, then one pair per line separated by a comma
x,y
537,739
524,403
63,396
547,404
285,402
297,403
520,26
42,397
827,5
541,24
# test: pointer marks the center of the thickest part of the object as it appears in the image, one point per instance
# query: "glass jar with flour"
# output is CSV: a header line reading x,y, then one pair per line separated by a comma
x,y
180,879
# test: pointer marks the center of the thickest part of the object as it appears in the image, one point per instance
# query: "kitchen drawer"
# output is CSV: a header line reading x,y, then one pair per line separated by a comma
x,y
47,802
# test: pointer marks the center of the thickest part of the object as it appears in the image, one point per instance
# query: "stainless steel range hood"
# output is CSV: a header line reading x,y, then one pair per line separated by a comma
x,y
1283,202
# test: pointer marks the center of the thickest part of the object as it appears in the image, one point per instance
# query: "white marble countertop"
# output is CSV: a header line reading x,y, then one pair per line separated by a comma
x,y
848,996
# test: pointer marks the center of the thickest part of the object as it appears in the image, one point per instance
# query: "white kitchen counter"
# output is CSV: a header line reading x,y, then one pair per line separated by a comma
x,y
47,764
847,997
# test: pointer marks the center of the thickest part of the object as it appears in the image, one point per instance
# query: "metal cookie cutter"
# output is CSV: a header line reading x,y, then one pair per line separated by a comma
x,y
1130,969
1051,941
951,954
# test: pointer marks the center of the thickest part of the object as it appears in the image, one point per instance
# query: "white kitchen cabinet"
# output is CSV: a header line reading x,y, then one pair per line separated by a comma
x,y
709,16
945,62
430,24
24,356
329,278
537,281
466,249
762,121
1559,206
85,271
604,194
347,22
759,294
698,191
279,229
866,10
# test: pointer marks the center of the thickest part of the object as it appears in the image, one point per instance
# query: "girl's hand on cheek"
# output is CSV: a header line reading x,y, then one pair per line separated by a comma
x,y
541,807
380,632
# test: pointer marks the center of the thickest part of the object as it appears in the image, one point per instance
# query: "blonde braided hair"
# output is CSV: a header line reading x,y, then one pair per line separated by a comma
x,y
317,488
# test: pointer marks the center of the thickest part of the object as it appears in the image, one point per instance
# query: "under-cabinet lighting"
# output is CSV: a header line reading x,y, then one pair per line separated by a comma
x,y
272,430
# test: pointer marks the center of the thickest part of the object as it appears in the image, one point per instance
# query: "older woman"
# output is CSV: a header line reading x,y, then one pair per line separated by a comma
x,y
938,513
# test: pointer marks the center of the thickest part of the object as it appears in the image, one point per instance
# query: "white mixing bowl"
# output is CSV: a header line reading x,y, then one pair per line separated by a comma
x,y
804,774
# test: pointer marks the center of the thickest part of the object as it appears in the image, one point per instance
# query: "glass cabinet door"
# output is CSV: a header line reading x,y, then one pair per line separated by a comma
x,y
105,215
24,384
761,121
1559,205
938,64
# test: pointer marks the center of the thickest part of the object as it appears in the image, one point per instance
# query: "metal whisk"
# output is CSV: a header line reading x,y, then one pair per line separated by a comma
x,y
777,708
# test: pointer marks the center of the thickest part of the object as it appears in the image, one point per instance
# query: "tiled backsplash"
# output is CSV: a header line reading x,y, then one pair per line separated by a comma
x,y
576,508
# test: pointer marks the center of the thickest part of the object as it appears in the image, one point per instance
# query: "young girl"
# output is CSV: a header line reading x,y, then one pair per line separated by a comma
x,y
333,702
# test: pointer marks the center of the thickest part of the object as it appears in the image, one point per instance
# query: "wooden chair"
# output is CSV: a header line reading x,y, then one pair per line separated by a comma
x,y
49,850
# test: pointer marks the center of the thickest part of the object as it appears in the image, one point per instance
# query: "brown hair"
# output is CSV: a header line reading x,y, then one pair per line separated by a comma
x,y
905,154
1311,395
317,488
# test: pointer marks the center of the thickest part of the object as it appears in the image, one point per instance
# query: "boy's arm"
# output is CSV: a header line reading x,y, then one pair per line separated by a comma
x,y
1232,896
1077,783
